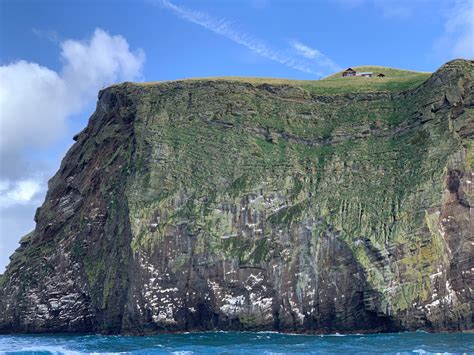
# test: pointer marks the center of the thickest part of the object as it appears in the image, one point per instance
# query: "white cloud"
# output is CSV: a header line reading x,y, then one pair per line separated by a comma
x,y
223,28
305,51
35,101
20,192
99,62
314,55
458,36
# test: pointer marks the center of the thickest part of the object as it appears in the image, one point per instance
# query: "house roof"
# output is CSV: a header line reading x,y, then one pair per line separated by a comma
x,y
366,73
349,69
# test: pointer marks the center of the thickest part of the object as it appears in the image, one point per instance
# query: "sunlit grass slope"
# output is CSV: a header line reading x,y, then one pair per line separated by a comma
x,y
394,80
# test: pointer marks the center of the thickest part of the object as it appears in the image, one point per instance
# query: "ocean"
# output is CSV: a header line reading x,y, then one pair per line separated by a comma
x,y
241,343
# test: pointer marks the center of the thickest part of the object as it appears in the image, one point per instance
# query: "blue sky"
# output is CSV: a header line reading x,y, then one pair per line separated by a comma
x,y
55,55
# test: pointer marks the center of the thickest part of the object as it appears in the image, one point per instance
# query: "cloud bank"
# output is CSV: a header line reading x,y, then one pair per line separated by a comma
x,y
35,105
35,101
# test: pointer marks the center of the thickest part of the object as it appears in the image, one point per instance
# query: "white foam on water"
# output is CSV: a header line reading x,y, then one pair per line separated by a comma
x,y
56,350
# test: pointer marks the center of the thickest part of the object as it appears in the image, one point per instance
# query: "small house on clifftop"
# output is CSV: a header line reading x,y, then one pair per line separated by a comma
x,y
349,72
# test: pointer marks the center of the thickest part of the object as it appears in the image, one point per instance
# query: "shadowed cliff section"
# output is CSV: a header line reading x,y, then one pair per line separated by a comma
x,y
238,204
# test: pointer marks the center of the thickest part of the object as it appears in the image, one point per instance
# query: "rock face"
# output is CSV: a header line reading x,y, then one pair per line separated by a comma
x,y
221,204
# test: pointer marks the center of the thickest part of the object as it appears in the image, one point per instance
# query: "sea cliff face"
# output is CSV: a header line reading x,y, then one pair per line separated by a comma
x,y
234,205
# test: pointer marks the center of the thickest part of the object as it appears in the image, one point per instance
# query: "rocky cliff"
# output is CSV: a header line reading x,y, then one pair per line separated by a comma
x,y
251,205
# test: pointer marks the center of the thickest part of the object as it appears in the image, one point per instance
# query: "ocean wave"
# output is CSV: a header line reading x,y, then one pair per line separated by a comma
x,y
56,350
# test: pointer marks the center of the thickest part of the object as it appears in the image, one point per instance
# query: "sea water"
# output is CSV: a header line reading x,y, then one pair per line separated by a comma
x,y
241,343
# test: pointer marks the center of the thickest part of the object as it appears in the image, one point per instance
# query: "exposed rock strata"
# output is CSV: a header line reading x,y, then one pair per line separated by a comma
x,y
226,205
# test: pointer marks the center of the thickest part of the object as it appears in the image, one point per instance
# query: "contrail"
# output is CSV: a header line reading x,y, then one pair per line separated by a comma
x,y
223,28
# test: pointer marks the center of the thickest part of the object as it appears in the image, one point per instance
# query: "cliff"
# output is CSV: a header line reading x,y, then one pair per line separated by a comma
x,y
253,204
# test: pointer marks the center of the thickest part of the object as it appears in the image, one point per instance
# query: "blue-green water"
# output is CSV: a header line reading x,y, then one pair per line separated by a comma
x,y
241,343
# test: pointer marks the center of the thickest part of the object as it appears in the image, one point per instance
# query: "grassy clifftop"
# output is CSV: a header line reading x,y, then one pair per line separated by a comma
x,y
395,80
377,69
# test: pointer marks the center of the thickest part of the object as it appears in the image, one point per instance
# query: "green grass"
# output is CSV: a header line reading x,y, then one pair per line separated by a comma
x,y
364,85
389,72
395,80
